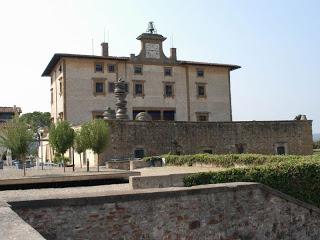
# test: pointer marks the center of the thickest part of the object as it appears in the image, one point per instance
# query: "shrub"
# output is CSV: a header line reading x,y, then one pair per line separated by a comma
x,y
58,158
228,160
300,179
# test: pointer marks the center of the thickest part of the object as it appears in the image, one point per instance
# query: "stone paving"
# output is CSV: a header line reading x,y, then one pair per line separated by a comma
x,y
13,173
82,191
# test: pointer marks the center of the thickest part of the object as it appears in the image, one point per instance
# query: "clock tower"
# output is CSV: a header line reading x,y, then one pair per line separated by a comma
x,y
151,47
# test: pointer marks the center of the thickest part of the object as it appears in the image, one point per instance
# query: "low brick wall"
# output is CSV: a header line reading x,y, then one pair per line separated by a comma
x,y
163,181
223,211
124,165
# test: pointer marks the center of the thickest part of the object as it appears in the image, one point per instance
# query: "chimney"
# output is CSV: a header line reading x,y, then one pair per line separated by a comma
x,y
173,54
105,49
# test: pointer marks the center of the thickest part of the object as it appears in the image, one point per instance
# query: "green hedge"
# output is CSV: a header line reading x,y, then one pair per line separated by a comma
x,y
300,179
229,160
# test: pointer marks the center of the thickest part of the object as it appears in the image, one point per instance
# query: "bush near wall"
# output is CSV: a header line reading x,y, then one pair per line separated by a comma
x,y
227,160
299,179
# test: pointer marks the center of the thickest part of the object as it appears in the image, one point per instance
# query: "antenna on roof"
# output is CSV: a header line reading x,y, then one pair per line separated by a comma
x,y
92,46
108,35
104,34
172,40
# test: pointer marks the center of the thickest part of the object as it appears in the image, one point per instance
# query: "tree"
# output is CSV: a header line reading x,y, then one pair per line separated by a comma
x,y
61,138
17,137
98,136
36,119
81,143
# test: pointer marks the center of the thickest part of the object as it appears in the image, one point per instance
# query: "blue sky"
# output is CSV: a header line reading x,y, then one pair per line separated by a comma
x,y
275,42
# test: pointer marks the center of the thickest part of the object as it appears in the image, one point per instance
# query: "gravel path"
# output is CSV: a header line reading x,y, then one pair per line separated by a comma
x,y
69,192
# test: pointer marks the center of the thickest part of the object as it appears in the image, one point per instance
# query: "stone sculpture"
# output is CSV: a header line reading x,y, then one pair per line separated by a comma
x,y
143,116
109,114
120,93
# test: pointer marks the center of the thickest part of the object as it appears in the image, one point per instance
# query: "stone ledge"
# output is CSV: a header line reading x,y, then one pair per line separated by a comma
x,y
162,181
14,228
66,178
150,194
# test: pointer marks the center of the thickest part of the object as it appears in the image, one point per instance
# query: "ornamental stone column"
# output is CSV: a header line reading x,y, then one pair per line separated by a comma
x,y
121,103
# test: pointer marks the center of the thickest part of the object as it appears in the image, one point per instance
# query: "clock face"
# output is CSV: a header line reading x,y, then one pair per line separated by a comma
x,y
152,50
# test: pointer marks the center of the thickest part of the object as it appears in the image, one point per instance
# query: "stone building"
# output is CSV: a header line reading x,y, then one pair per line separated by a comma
x,y
167,88
8,113
193,98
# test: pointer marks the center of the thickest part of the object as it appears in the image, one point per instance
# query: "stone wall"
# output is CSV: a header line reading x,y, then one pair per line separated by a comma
x,y
125,165
13,227
160,137
162,181
222,211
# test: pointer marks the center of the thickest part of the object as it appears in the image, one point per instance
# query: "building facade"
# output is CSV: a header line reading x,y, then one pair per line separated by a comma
x,y
168,89
8,113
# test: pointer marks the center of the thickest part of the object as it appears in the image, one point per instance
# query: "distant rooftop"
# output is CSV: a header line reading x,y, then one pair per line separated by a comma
x,y
13,109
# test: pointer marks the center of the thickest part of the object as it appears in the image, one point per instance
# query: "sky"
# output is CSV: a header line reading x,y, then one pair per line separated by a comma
x,y
275,42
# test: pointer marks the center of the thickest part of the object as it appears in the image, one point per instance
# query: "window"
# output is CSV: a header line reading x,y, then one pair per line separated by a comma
x,y
111,87
209,151
139,153
168,89
167,71
201,90
168,115
61,116
156,115
202,117
200,73
111,68
60,68
98,67
98,86
281,150
138,88
51,92
240,148
138,69
60,87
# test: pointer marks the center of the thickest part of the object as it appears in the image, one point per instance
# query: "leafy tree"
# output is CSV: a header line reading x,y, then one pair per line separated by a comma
x,y
81,140
36,119
316,144
17,137
98,136
61,137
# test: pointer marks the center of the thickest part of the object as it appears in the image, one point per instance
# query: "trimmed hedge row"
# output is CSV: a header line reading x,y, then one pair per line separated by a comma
x,y
300,179
228,160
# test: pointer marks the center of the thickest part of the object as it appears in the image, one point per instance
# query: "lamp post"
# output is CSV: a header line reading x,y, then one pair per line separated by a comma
x,y
40,134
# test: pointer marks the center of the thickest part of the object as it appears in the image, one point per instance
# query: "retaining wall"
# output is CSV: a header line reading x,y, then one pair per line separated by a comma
x,y
222,211
161,137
